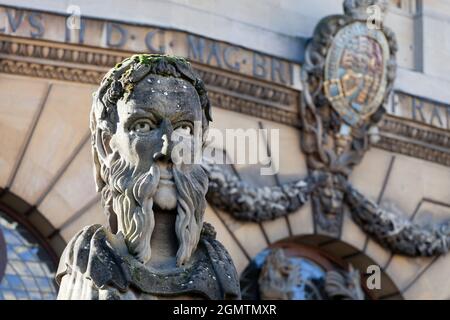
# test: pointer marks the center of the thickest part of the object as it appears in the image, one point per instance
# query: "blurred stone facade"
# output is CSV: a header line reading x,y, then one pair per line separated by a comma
x,y
250,55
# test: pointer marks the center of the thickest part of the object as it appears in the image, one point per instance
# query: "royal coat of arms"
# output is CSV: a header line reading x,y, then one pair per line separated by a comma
x,y
355,72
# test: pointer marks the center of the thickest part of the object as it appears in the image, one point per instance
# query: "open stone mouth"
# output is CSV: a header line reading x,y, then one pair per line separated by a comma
x,y
166,175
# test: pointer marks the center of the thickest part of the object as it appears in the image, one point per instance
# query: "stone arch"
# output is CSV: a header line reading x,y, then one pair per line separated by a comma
x,y
34,221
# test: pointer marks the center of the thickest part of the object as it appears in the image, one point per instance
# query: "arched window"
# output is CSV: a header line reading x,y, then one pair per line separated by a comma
x,y
26,269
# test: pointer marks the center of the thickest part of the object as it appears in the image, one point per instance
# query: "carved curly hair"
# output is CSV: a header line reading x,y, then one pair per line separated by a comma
x,y
119,82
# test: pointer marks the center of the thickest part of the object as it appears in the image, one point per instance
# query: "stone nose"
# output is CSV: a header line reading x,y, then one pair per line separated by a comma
x,y
164,153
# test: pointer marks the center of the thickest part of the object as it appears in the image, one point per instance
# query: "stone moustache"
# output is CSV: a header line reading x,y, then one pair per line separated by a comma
x,y
156,245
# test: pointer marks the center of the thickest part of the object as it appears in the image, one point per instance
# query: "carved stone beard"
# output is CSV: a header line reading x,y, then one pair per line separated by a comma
x,y
192,184
129,194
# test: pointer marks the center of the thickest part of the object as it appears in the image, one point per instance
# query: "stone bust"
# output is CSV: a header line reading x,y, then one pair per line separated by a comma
x,y
156,245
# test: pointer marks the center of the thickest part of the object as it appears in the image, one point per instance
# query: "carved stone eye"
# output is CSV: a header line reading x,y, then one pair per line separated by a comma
x,y
184,129
141,127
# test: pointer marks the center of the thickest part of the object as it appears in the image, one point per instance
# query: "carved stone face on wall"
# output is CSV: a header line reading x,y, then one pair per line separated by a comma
x,y
160,112
331,196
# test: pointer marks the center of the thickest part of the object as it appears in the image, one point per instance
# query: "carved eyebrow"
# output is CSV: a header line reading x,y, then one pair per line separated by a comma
x,y
182,116
150,114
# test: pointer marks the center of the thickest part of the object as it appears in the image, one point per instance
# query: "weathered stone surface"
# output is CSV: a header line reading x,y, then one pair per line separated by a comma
x,y
93,215
302,220
371,173
249,203
351,233
395,231
276,229
111,274
60,116
19,106
226,238
251,237
433,284
60,204
147,120
377,252
292,164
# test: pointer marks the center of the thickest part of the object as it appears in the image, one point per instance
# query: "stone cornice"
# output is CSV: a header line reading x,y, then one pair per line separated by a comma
x,y
415,140
229,91
49,71
87,65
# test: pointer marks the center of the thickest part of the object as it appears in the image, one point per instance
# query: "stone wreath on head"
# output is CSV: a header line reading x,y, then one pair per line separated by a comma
x,y
119,83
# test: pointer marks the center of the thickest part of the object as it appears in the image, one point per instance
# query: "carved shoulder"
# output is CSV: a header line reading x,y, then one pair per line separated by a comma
x,y
222,263
90,254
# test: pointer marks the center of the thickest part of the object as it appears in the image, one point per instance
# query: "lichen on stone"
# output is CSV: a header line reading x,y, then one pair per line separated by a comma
x,y
152,62
149,59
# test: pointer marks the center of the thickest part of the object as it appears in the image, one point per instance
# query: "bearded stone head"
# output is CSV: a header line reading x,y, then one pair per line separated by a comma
x,y
149,115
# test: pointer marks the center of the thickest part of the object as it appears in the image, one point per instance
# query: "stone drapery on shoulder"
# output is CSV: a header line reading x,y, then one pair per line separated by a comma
x,y
91,269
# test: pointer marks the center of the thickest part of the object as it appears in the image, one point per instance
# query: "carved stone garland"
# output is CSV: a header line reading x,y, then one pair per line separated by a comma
x,y
249,203
395,232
